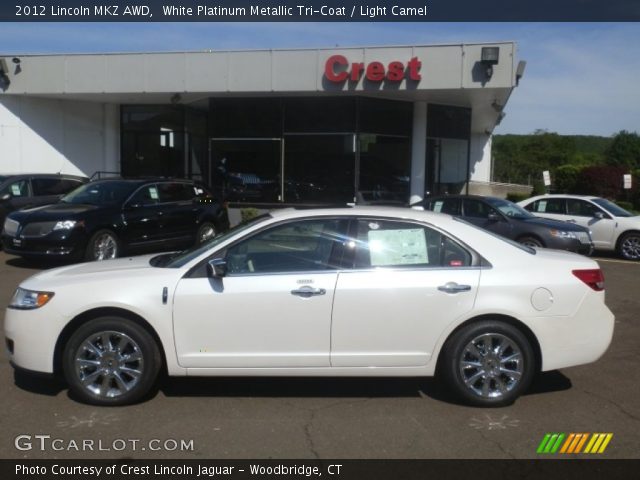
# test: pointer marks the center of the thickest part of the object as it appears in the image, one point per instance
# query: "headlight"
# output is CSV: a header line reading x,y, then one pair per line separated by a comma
x,y
28,299
562,234
64,225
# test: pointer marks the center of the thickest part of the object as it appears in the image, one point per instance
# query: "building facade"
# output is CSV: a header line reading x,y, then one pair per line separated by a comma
x,y
265,127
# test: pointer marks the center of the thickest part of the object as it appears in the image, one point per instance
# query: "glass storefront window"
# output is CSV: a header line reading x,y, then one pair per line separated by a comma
x,y
385,168
246,170
319,168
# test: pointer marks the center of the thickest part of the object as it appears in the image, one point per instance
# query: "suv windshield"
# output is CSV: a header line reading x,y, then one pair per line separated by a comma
x,y
611,207
509,209
179,259
101,193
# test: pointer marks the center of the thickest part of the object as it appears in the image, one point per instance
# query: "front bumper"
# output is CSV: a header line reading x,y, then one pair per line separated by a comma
x,y
571,245
33,334
59,244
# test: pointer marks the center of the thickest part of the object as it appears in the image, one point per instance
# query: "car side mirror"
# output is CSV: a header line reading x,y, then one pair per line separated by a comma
x,y
599,215
493,217
217,267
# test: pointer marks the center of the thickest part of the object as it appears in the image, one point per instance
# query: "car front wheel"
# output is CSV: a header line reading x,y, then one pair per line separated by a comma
x,y
103,245
629,246
530,242
488,364
111,361
206,232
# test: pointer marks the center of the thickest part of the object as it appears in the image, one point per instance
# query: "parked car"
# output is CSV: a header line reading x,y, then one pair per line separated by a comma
x,y
107,218
612,227
364,291
31,190
512,221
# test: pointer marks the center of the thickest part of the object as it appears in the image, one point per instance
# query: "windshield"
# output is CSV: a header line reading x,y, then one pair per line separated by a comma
x,y
509,209
101,193
179,259
612,208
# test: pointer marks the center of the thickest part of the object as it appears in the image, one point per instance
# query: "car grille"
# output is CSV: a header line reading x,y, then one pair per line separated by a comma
x,y
583,237
11,227
37,229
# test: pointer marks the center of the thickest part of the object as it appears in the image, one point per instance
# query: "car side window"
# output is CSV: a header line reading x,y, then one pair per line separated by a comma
x,y
302,246
476,209
387,243
147,195
548,205
450,206
581,208
175,192
49,186
16,189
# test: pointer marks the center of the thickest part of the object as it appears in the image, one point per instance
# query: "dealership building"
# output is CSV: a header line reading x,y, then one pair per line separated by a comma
x,y
265,127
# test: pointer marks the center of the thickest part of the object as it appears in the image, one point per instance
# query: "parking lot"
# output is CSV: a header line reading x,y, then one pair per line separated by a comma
x,y
333,418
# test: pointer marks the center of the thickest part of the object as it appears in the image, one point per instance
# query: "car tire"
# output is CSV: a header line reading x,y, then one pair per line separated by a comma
x,y
206,231
111,361
488,364
103,245
629,246
530,242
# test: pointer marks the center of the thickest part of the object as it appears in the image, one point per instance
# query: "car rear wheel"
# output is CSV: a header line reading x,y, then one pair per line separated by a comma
x,y
629,246
488,364
103,245
530,242
206,232
111,361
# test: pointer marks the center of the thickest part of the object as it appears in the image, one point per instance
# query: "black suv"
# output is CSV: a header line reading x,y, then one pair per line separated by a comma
x,y
31,190
509,220
107,218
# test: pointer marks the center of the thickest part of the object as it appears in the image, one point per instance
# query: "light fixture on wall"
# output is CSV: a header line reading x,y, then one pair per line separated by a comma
x,y
489,57
497,107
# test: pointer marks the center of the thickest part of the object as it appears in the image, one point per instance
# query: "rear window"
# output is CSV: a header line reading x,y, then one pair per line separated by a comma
x,y
175,192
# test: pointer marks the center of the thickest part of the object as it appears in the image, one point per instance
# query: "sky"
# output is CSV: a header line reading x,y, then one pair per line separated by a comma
x,y
581,78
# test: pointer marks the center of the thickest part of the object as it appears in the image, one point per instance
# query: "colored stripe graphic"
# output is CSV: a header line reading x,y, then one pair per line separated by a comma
x,y
573,443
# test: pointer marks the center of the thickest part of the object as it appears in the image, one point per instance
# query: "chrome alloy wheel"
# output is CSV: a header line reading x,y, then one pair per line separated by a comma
x,y
109,364
206,232
491,365
630,247
105,247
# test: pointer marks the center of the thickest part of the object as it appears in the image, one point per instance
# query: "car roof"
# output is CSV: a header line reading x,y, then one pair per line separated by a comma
x,y
8,176
400,213
475,197
561,195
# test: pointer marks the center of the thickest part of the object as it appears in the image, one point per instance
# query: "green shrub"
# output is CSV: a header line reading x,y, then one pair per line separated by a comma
x,y
625,205
565,178
516,197
247,214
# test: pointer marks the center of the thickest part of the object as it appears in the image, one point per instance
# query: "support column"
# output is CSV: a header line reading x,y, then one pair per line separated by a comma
x,y
111,132
418,151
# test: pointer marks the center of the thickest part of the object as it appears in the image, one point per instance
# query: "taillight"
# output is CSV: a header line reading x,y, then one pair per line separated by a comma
x,y
594,278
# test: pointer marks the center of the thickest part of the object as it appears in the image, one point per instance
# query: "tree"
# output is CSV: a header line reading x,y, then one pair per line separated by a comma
x,y
624,150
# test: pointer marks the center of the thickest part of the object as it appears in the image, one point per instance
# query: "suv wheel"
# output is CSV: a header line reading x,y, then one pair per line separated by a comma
x,y
206,232
629,246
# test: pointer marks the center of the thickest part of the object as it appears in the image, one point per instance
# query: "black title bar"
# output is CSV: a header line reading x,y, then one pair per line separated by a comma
x,y
318,10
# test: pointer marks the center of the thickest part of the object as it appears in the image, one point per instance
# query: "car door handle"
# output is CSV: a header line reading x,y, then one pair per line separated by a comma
x,y
306,292
453,287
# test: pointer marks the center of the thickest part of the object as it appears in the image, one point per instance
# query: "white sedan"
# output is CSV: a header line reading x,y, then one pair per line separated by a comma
x,y
332,292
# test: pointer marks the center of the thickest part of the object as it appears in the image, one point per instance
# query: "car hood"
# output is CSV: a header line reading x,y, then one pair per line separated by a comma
x,y
55,211
136,269
558,224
